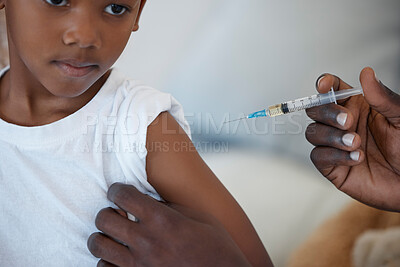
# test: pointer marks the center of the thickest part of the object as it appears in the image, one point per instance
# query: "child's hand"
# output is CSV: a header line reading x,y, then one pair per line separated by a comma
x,y
358,142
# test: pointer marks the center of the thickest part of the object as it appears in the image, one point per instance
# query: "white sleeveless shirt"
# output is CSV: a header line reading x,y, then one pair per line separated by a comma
x,y
54,178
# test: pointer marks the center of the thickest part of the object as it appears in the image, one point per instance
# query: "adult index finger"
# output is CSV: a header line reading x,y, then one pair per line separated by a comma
x,y
129,199
327,81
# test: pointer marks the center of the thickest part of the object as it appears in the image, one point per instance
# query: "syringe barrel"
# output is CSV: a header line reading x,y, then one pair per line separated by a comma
x,y
301,104
343,94
312,101
327,98
334,96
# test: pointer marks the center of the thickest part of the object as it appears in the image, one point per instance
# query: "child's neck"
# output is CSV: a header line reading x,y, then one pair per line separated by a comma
x,y
19,107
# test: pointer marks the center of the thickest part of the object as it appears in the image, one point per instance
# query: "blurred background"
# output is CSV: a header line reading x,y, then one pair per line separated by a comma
x,y
228,57
225,58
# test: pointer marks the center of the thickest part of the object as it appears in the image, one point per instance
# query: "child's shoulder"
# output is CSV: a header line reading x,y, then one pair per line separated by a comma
x,y
135,100
135,96
127,85
135,93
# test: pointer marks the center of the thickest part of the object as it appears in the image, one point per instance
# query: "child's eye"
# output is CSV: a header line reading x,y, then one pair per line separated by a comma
x,y
115,9
57,2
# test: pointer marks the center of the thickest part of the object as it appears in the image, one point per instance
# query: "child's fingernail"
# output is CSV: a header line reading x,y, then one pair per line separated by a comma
x,y
355,155
348,139
341,118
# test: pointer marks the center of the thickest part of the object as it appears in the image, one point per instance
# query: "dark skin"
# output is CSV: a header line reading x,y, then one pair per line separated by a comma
x,y
166,235
182,178
35,91
60,55
372,176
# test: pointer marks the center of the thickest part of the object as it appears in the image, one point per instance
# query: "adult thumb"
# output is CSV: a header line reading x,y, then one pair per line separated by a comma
x,y
379,97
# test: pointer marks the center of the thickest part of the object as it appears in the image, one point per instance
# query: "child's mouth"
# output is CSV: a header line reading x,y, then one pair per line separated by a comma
x,y
73,68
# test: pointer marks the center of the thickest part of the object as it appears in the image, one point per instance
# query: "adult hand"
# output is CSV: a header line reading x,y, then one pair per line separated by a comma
x,y
164,235
358,142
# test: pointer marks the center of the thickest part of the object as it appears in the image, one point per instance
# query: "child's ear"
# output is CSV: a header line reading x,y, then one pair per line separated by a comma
x,y
136,26
2,4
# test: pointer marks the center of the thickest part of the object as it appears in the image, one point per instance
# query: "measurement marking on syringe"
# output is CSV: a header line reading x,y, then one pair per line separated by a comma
x,y
304,103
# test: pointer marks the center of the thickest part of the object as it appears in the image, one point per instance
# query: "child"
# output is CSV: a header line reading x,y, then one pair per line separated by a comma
x,y
70,127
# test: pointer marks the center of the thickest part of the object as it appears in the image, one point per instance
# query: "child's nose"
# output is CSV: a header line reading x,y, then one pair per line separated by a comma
x,y
83,32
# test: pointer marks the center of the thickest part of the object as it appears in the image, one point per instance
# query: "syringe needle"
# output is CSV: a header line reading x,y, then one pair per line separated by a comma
x,y
235,120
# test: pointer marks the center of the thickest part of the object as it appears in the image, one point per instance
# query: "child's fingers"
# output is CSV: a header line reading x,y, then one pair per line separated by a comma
x,y
325,158
323,135
332,115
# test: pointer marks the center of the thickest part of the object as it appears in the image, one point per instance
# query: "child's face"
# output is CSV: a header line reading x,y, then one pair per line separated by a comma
x,y
67,45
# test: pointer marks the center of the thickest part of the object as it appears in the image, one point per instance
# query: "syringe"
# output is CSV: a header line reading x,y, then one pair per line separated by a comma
x,y
304,103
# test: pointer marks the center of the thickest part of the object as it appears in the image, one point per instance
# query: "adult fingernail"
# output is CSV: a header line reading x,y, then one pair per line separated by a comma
x,y
355,155
132,217
319,80
341,118
348,139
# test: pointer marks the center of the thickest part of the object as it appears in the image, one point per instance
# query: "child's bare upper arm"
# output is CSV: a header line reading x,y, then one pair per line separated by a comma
x,y
179,175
